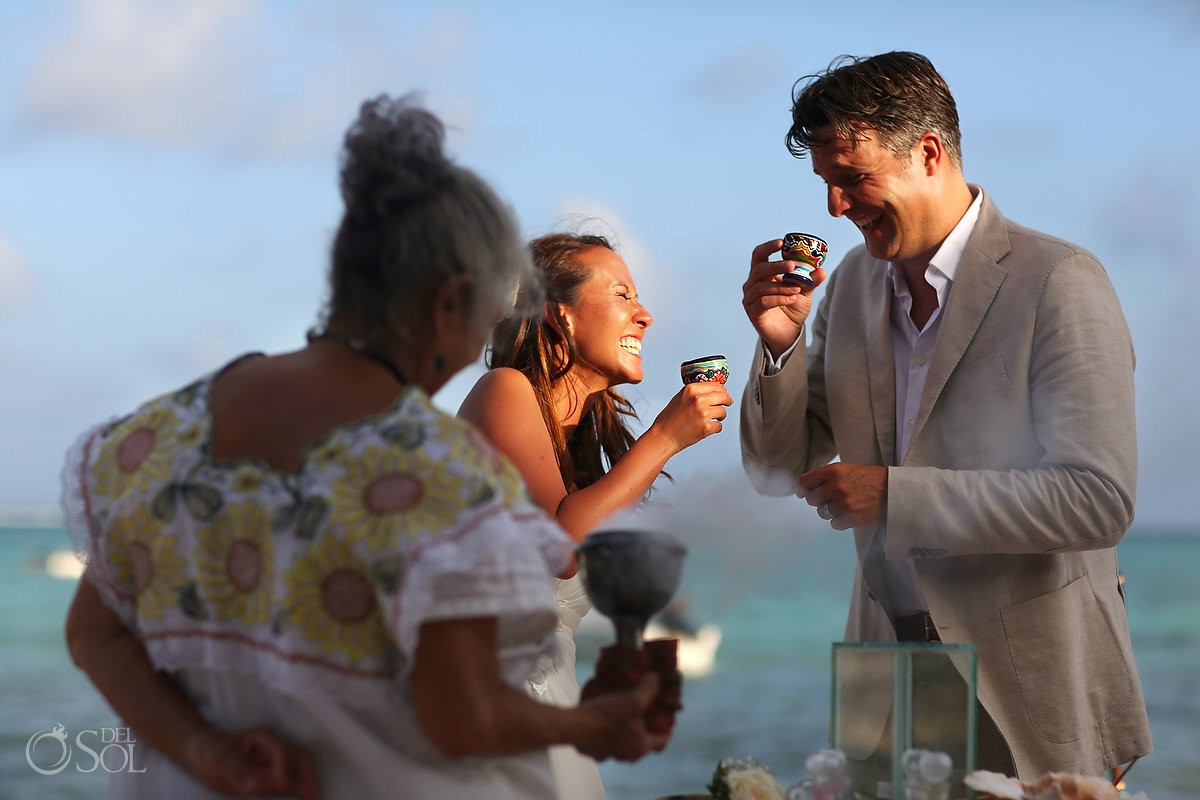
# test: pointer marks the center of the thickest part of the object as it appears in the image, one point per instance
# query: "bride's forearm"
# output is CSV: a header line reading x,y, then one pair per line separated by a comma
x,y
621,487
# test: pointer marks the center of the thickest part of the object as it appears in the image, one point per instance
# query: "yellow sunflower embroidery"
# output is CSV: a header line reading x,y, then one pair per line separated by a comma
x,y
331,599
330,453
136,453
191,436
387,492
247,479
236,564
145,562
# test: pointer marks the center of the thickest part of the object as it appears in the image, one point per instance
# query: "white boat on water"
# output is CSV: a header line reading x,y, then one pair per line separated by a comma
x,y
697,650
61,564
697,645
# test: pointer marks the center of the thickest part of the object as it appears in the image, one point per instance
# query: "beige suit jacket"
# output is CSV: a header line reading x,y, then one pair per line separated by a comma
x,y
1017,486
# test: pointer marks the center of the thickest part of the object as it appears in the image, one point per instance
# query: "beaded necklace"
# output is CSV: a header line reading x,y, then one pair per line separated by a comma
x,y
365,350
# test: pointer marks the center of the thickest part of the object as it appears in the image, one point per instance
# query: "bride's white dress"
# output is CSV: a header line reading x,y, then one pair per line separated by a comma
x,y
554,682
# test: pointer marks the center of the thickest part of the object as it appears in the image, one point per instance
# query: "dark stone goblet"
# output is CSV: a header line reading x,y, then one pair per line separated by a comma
x,y
630,576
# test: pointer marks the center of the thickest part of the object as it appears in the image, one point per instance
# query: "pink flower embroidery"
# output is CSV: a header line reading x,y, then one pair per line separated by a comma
x,y
135,449
347,596
143,566
244,566
393,493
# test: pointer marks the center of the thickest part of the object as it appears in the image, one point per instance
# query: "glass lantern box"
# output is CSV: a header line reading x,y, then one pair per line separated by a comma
x,y
890,698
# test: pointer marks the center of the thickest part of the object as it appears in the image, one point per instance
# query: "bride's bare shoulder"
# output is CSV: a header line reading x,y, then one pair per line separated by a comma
x,y
499,388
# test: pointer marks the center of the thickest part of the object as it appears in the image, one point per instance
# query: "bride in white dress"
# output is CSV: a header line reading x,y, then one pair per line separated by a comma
x,y
548,402
554,682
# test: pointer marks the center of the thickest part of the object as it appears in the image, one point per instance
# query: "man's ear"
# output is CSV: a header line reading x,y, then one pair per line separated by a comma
x,y
931,152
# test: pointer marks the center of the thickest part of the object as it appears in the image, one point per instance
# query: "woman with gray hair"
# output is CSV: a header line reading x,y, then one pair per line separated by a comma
x,y
299,553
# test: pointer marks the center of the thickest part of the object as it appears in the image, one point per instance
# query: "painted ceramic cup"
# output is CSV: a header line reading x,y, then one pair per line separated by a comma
x,y
709,368
807,251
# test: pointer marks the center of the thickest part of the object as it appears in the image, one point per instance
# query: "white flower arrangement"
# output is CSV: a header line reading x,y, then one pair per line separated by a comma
x,y
744,779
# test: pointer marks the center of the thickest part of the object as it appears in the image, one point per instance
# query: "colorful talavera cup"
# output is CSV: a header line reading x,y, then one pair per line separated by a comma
x,y
807,251
708,368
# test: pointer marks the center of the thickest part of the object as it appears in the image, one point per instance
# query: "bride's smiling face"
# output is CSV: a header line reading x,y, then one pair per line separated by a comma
x,y
607,321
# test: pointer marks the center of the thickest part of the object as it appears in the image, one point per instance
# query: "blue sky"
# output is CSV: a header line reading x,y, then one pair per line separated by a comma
x,y
168,177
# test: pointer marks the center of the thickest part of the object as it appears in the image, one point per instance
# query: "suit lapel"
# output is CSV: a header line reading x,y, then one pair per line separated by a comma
x,y
976,282
882,367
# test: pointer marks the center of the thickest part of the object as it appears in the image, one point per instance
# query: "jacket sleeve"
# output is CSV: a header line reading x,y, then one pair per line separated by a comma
x,y
1076,489
784,426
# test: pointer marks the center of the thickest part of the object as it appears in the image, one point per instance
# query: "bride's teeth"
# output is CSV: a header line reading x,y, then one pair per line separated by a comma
x,y
631,344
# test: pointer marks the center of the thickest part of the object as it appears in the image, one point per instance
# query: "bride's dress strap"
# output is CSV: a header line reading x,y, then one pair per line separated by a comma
x,y
572,600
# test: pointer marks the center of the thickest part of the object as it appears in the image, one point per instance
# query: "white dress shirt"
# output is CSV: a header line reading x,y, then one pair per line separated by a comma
x,y
894,583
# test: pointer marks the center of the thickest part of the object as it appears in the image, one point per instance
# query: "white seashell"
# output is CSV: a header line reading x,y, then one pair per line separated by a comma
x,y
995,784
1053,786
1060,786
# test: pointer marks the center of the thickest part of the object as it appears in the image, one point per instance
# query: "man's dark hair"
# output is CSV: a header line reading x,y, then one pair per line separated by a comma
x,y
899,96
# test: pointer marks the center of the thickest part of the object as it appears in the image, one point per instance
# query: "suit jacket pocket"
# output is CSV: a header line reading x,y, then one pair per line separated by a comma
x,y
1067,660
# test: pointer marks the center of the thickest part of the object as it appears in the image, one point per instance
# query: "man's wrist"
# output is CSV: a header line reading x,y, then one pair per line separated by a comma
x,y
772,363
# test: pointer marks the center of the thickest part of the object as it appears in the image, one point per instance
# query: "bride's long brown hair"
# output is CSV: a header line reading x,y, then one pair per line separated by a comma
x,y
543,349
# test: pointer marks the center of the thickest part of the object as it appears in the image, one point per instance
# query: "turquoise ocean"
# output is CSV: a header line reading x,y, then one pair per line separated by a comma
x,y
779,597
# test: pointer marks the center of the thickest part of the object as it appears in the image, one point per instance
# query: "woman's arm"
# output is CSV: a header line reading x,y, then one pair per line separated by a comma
x,y
466,709
694,413
504,407
250,761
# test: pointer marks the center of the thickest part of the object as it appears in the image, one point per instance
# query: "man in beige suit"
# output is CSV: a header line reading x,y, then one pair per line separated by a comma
x,y
974,378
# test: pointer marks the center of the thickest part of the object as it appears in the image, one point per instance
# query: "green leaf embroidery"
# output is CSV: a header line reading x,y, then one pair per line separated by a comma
x,y
387,572
190,602
480,493
282,519
202,501
312,513
408,434
163,507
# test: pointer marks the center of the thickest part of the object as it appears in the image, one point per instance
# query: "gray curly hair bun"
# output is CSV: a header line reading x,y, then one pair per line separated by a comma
x,y
392,155
414,219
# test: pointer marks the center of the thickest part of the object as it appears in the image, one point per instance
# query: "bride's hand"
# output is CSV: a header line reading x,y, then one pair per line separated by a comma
x,y
694,412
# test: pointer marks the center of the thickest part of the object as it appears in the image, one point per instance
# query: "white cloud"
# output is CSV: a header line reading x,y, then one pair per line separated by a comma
x,y
240,76
338,56
17,283
143,69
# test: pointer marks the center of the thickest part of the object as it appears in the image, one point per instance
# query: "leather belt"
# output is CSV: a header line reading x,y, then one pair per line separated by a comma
x,y
915,628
